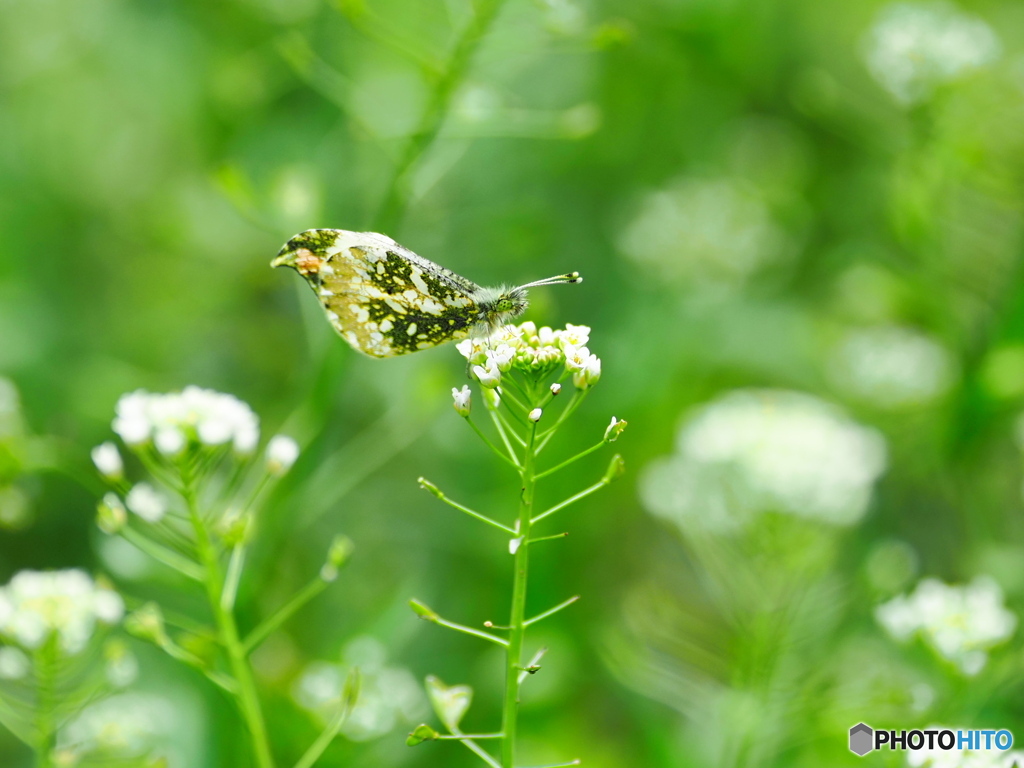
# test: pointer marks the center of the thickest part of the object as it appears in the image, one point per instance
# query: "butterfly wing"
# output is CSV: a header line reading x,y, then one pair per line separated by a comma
x,y
382,298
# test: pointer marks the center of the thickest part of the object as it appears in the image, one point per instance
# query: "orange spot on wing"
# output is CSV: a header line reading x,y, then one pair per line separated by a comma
x,y
307,262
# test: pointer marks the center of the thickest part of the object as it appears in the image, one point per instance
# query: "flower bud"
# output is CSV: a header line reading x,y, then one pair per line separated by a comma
x,y
108,461
463,400
337,556
111,516
282,451
556,388
147,623
535,415
616,428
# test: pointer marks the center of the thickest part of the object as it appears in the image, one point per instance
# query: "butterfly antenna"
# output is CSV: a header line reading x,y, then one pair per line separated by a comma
x,y
572,277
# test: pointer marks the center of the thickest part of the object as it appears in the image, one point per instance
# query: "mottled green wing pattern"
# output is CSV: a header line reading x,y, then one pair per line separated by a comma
x,y
381,297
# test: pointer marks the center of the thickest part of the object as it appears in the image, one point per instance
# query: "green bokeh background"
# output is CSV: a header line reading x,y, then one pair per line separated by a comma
x,y
154,156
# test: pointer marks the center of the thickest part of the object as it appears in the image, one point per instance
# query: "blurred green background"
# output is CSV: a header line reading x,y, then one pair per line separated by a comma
x,y
765,198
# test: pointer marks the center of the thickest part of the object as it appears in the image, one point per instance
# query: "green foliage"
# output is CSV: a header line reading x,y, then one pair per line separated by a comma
x,y
764,198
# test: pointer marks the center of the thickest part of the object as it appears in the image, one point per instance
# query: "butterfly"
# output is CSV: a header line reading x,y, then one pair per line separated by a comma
x,y
385,300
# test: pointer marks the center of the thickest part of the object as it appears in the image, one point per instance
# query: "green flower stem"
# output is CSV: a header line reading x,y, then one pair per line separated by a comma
x,y
435,619
168,557
234,575
285,612
46,702
552,537
504,439
510,430
572,499
574,459
570,409
348,700
551,611
492,446
463,736
396,199
248,700
517,631
472,513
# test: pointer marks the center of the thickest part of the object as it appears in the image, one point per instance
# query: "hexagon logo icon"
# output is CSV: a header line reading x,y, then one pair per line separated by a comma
x,y
861,739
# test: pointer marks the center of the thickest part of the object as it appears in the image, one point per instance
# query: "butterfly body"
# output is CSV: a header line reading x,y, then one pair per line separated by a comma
x,y
386,300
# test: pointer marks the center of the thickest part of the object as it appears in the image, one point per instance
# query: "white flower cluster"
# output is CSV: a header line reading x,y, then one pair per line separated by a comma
x,y
714,231
130,724
959,622
754,451
387,695
36,605
891,367
531,349
195,415
936,757
915,47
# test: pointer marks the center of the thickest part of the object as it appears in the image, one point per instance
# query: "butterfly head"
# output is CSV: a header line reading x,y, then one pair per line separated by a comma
x,y
499,306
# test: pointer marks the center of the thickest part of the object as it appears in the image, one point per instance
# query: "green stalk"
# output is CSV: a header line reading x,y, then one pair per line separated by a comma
x,y
248,700
46,728
517,625
396,198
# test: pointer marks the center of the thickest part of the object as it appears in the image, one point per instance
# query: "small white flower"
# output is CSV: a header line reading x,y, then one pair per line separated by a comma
x,y
146,502
169,441
282,451
488,375
535,415
462,400
556,388
574,336
589,374
576,358
502,357
108,461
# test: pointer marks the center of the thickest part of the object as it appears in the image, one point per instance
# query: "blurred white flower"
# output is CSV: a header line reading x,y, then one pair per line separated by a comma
x,y
463,400
753,451
282,451
388,696
891,367
108,461
194,415
146,502
959,622
915,47
68,604
129,724
14,664
710,231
